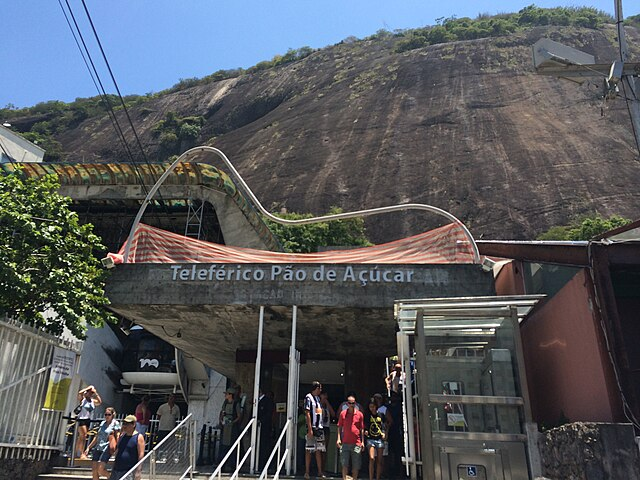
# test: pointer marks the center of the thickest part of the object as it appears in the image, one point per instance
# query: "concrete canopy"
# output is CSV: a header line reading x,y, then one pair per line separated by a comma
x,y
212,319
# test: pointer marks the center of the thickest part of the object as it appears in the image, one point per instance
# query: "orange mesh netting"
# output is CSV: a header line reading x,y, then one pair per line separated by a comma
x,y
447,244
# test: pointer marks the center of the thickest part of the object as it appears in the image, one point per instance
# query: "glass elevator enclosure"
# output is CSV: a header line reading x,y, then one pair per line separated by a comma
x,y
465,399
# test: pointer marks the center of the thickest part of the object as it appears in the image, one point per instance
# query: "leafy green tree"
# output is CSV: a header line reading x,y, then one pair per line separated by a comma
x,y
47,258
584,229
307,238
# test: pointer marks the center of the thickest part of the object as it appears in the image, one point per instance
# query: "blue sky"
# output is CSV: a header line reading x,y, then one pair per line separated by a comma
x,y
151,44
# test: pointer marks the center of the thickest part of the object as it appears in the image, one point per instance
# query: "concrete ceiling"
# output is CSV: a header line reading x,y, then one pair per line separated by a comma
x,y
212,319
213,333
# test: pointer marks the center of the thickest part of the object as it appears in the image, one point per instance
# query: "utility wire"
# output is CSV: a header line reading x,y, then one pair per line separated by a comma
x,y
122,102
96,80
101,90
113,79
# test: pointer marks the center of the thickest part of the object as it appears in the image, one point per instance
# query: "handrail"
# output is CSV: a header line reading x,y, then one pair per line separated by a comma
x,y
276,448
236,444
247,191
153,451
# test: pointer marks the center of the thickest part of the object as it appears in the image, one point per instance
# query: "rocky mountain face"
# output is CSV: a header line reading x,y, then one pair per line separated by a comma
x,y
465,126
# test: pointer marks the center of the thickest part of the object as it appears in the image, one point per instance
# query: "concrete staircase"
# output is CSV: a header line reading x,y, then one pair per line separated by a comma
x,y
82,471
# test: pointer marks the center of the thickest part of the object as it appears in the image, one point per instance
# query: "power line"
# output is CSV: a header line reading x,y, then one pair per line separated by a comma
x,y
103,94
124,106
101,90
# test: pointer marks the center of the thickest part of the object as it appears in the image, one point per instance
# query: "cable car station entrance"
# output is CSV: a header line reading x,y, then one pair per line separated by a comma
x,y
276,314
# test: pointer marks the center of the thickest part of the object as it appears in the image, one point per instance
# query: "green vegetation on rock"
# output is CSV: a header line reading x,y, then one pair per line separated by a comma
x,y
584,229
177,134
307,238
455,29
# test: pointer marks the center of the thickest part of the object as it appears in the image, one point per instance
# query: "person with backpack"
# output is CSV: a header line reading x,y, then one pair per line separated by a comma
x,y
230,416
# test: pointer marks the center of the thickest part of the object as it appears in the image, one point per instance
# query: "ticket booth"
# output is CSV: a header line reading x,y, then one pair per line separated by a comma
x,y
465,398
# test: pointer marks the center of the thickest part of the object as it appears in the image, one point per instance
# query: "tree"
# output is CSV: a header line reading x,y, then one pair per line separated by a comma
x,y
584,229
307,238
47,258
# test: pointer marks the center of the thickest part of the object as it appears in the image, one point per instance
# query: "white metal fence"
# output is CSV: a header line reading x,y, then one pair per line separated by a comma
x,y
173,457
26,430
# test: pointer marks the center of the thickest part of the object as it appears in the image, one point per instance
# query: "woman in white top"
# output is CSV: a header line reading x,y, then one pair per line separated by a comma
x,y
89,400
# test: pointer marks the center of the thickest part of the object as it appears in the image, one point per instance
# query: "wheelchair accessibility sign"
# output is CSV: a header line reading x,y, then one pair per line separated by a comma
x,y
475,472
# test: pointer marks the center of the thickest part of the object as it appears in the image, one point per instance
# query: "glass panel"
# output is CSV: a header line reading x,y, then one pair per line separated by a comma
x,y
477,418
473,357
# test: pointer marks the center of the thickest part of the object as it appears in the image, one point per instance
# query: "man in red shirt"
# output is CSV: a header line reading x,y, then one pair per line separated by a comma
x,y
350,438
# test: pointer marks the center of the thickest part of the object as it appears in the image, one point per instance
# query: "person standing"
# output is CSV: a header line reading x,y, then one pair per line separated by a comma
x,y
129,450
350,438
395,380
89,400
266,407
230,416
103,444
328,413
382,408
143,416
315,433
375,433
168,414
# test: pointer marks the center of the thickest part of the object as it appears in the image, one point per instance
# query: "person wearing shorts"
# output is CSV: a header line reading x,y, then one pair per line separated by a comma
x,y
375,433
103,444
350,435
314,441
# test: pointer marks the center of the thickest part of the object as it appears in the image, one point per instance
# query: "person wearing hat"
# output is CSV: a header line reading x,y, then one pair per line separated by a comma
x,y
230,416
129,450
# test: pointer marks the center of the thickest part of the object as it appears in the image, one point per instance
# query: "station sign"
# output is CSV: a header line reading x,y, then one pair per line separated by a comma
x,y
351,274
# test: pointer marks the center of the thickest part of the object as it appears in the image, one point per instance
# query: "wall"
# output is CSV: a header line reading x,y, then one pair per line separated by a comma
x,y
590,451
97,366
568,370
206,411
18,148
26,468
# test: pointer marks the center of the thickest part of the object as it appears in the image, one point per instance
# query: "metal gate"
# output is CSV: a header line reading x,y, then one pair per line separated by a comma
x,y
26,428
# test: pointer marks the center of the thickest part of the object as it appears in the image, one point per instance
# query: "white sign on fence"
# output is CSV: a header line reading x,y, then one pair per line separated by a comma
x,y
60,379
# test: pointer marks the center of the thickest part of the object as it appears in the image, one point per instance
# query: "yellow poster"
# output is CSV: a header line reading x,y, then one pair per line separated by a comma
x,y
60,379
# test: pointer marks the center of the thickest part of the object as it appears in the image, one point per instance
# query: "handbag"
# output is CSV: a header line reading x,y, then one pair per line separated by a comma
x,y
78,409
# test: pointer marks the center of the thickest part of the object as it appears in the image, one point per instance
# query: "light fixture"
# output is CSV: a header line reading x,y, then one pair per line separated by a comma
x,y
487,264
107,262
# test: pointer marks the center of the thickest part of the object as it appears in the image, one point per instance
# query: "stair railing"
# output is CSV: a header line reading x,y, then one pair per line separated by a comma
x,y
235,447
277,453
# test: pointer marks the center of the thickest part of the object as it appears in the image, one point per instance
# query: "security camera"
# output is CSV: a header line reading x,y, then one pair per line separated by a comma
x,y
487,264
107,262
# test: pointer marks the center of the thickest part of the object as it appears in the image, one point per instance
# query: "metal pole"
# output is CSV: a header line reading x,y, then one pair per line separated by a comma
x,y
426,443
410,445
629,81
194,426
256,395
291,394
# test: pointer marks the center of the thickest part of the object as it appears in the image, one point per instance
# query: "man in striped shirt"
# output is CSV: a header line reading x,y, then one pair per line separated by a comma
x,y
315,434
